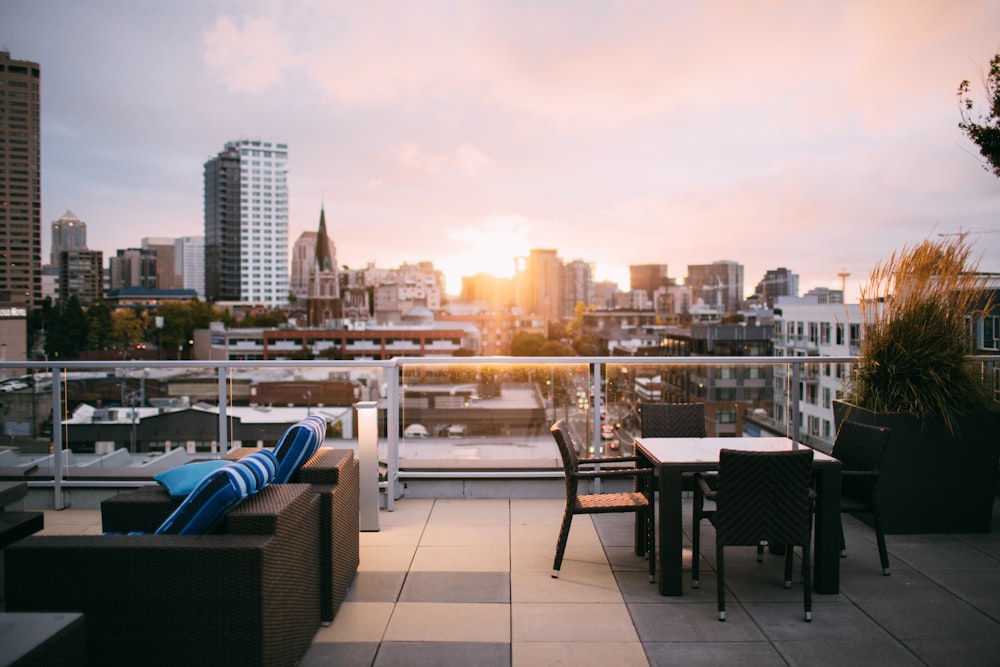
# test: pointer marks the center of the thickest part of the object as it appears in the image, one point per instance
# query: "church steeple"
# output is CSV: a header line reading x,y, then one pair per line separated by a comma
x,y
323,261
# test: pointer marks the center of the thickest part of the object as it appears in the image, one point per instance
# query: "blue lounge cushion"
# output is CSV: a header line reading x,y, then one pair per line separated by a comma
x,y
181,481
218,493
297,446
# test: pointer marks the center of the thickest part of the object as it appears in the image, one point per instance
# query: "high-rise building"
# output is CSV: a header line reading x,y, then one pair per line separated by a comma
x,y
164,249
718,285
68,233
777,282
21,190
578,286
539,284
648,277
81,273
246,223
133,267
189,264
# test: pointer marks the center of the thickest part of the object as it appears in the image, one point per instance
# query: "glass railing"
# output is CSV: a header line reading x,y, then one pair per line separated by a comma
x,y
115,423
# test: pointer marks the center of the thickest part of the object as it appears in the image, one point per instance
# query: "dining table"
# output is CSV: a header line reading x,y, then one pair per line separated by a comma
x,y
672,458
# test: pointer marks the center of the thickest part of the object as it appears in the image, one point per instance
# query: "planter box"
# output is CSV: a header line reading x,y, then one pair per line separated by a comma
x,y
932,481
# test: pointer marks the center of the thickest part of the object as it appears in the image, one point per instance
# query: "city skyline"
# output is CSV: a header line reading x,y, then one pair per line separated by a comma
x,y
816,137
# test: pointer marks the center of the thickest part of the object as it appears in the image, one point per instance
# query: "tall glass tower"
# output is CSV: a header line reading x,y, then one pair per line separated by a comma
x,y
246,223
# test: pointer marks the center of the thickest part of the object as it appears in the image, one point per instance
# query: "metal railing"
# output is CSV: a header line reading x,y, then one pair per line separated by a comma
x,y
388,382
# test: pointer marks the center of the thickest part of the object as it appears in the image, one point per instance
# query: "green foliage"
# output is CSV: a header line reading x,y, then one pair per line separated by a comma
x,y
66,330
536,345
984,131
99,332
915,310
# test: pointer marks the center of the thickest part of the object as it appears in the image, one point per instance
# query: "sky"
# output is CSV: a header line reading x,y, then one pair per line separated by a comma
x,y
817,136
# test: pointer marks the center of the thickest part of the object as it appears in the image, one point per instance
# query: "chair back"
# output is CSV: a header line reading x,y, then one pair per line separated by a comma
x,y
860,446
567,450
673,420
764,496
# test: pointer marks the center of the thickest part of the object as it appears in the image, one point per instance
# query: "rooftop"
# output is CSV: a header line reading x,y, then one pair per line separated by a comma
x,y
462,581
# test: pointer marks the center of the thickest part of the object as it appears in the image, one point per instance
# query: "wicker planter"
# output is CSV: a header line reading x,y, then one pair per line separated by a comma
x,y
932,481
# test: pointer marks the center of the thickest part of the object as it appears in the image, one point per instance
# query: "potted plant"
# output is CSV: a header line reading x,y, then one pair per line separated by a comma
x,y
913,375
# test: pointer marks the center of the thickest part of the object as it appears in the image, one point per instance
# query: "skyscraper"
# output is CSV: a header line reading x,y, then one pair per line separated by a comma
x,y
21,190
246,223
68,233
189,264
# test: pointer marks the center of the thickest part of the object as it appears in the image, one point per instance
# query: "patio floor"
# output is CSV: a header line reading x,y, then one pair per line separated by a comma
x,y
450,582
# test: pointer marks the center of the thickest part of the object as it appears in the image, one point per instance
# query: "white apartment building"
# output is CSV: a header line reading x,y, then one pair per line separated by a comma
x,y
803,327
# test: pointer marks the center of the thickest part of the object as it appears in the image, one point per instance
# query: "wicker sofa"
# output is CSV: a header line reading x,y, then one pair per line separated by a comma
x,y
245,596
333,475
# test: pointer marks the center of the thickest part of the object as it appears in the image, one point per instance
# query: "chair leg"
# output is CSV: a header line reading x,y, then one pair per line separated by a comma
x,y
807,579
883,553
698,502
789,562
720,581
760,551
651,541
561,544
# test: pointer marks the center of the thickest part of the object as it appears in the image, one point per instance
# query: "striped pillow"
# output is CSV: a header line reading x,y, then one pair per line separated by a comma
x,y
297,446
206,506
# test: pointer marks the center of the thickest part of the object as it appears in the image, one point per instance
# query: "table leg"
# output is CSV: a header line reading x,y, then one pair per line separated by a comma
x,y
826,576
640,484
671,533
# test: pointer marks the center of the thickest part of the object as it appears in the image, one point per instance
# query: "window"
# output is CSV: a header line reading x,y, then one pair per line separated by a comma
x,y
840,333
824,333
726,416
826,397
991,333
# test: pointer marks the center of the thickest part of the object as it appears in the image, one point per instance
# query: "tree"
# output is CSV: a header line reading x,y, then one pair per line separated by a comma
x,y
66,328
984,131
127,328
100,334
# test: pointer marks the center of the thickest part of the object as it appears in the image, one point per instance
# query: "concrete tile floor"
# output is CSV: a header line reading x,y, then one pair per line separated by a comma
x,y
457,582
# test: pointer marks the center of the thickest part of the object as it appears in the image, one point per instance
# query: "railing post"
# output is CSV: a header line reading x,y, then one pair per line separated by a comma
x,y
368,463
223,426
597,370
57,439
393,410
793,398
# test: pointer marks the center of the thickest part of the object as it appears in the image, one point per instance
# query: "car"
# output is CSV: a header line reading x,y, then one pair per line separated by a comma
x,y
614,444
607,432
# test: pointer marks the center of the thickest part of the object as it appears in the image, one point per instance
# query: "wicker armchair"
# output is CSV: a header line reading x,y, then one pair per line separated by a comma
x,y
860,448
333,475
599,503
759,496
247,596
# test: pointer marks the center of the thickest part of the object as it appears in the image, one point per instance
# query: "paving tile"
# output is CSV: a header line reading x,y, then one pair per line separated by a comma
x,y
695,622
785,621
944,619
542,556
456,587
357,622
492,535
948,652
711,654
340,654
437,654
569,622
582,582
825,653
376,586
393,558
392,535
445,622
580,653
460,559
470,512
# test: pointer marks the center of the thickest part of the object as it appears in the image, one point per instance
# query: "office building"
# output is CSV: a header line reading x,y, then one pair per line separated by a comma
x,y
164,249
189,264
775,283
648,277
246,223
718,285
20,182
538,284
578,287
133,267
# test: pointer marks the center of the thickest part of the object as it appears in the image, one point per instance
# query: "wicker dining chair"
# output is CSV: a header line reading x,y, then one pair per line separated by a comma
x,y
638,501
859,448
672,420
759,496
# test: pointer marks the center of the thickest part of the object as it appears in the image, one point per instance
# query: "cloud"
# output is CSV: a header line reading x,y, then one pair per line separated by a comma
x,y
466,159
249,55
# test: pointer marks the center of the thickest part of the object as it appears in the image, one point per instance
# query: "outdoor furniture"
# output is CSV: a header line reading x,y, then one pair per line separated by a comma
x,y
333,475
599,503
759,496
674,457
672,420
247,595
859,448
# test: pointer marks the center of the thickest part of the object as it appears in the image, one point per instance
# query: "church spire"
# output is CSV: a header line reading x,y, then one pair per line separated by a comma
x,y
323,261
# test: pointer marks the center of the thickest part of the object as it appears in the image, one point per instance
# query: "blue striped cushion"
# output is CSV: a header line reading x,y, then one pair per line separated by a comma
x,y
221,491
297,446
182,480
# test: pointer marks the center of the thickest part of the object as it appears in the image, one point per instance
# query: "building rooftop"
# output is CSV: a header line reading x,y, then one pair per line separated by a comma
x,y
463,581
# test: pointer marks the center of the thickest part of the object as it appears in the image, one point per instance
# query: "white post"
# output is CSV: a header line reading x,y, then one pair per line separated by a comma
x,y
368,463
